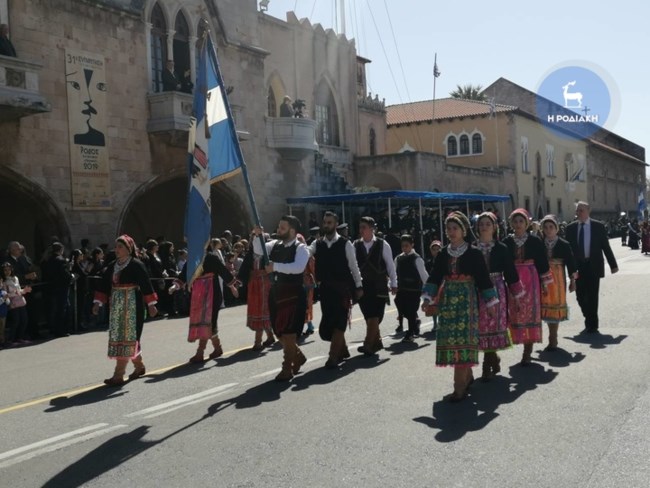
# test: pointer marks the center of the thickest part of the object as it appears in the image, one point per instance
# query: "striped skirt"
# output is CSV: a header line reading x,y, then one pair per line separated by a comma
x,y
258,301
554,306
525,313
494,334
202,301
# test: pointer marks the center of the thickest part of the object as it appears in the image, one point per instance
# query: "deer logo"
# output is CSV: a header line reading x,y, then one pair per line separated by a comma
x,y
569,96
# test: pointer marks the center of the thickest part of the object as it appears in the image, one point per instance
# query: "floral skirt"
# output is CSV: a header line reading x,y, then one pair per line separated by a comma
x,y
123,328
494,334
525,313
554,306
457,336
202,301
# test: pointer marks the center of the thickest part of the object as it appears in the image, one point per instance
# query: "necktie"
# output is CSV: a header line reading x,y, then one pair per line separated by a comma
x,y
581,241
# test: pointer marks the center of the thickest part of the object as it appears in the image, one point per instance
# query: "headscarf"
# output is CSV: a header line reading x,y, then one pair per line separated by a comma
x,y
549,218
520,211
128,242
493,218
460,219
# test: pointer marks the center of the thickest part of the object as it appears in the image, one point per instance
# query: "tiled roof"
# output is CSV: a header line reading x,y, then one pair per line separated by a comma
x,y
446,108
616,151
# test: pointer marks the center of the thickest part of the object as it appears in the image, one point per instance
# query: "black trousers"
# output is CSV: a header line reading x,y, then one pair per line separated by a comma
x,y
587,288
335,302
408,303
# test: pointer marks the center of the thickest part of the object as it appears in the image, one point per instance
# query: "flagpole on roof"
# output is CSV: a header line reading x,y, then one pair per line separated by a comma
x,y
436,74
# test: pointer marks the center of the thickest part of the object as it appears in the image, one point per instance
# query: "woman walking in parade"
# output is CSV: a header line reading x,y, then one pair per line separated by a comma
x,y
560,257
258,285
463,270
532,267
494,334
127,283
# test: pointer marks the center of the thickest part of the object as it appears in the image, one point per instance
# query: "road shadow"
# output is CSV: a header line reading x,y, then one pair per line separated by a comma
x,y
243,356
255,396
560,358
454,420
99,394
180,371
597,341
397,348
324,376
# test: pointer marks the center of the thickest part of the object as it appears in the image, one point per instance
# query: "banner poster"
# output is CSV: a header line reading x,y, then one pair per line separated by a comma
x,y
85,76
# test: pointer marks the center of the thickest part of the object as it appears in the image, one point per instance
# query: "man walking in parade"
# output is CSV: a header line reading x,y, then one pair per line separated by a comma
x,y
287,300
375,260
339,281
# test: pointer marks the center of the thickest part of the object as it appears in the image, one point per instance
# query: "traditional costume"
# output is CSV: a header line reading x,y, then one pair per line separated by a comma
x,y
411,276
554,303
452,285
309,282
287,301
129,288
375,260
337,275
494,334
206,300
532,267
258,284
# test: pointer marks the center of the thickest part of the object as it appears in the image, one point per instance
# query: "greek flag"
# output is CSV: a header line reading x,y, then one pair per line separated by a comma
x,y
641,201
213,154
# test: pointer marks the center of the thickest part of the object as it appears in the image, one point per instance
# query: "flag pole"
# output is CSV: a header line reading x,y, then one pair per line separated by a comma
x,y
436,73
244,169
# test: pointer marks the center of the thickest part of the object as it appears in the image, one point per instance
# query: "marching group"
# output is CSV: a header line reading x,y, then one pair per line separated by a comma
x,y
485,293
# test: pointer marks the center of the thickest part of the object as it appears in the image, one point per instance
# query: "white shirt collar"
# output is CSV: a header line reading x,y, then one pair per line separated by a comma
x,y
333,239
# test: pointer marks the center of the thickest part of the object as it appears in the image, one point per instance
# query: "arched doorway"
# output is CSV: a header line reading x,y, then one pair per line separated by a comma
x,y
33,217
157,209
181,46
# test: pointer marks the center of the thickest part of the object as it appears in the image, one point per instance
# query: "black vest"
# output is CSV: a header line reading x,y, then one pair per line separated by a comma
x,y
283,254
332,263
408,277
372,266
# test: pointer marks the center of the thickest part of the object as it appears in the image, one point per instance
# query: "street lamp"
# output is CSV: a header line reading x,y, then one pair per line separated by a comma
x,y
264,5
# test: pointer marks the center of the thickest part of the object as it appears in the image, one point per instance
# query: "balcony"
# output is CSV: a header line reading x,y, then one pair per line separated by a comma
x,y
170,112
294,139
19,93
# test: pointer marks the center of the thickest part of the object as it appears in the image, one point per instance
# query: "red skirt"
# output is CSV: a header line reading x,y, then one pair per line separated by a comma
x,y
258,301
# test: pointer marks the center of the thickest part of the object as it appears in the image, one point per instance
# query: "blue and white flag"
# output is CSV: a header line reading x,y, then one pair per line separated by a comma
x,y
641,203
213,154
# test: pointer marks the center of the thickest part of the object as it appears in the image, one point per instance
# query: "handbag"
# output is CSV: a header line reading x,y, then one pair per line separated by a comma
x,y
17,301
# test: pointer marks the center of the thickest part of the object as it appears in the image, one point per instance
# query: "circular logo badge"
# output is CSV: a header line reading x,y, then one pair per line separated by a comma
x,y
576,101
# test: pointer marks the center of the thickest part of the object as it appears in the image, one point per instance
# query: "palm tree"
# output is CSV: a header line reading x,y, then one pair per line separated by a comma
x,y
469,92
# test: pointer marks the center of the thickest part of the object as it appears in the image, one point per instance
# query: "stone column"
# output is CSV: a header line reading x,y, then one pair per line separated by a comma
x,y
170,44
147,33
193,40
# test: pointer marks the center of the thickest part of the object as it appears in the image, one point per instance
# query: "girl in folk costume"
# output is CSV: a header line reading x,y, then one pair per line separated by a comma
x,y
127,283
463,270
206,299
560,256
309,284
258,285
532,266
494,334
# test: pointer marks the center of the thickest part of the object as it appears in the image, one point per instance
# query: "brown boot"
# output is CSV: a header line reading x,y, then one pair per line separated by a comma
x,y
198,357
496,364
298,360
218,351
552,336
257,345
290,349
526,358
139,370
118,375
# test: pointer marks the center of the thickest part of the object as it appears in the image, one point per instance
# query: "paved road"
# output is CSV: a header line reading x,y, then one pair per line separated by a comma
x,y
576,418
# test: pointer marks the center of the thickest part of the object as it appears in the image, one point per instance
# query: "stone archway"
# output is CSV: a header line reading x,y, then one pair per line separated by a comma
x,y
31,215
158,209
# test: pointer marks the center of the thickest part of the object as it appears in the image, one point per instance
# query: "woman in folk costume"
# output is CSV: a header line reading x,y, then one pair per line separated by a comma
x,y
560,256
258,284
532,266
310,285
127,283
494,334
459,270
206,299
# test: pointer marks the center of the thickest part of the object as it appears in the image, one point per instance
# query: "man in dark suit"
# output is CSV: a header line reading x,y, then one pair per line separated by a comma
x,y
60,278
6,47
169,80
589,241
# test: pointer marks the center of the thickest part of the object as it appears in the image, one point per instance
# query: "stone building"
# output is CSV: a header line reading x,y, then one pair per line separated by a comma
x,y
90,145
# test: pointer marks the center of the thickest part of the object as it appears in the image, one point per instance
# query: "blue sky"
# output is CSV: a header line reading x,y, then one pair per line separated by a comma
x,y
478,42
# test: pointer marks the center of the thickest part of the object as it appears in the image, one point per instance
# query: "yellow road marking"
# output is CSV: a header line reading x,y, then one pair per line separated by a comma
x,y
85,389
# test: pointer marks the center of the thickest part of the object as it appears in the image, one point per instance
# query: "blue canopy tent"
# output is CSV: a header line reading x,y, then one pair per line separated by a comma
x,y
447,198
